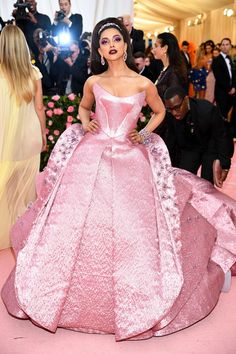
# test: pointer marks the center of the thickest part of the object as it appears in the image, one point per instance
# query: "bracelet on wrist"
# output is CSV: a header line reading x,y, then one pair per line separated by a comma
x,y
145,135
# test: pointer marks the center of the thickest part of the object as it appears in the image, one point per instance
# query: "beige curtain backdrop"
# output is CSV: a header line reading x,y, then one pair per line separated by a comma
x,y
216,26
91,10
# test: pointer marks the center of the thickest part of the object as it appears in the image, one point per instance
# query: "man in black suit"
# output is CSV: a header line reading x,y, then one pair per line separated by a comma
x,y
66,21
139,59
32,21
222,68
186,59
185,55
136,36
198,133
76,69
49,64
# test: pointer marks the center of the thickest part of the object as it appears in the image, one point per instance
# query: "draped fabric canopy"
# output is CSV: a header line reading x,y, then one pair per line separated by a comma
x,y
151,15
91,10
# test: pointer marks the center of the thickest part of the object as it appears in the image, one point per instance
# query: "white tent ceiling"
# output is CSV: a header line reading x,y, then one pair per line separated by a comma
x,y
154,15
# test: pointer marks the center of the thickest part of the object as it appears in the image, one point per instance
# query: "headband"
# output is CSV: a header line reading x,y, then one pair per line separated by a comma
x,y
109,24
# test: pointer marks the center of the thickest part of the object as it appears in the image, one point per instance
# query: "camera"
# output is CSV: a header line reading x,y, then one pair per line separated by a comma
x,y
65,53
22,9
60,15
43,38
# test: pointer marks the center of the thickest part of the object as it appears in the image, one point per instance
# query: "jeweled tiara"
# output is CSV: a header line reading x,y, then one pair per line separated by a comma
x,y
109,24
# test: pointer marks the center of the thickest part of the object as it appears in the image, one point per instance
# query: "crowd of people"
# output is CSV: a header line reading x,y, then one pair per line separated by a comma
x,y
92,254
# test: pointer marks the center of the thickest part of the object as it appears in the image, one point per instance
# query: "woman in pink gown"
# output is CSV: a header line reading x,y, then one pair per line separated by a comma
x,y
118,240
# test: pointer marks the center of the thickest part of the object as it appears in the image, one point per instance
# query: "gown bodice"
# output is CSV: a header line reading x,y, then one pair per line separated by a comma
x,y
117,115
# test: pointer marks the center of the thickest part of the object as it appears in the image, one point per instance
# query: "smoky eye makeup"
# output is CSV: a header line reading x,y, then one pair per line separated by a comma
x,y
104,41
117,38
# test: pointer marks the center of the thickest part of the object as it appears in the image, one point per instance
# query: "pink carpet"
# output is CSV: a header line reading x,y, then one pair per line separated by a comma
x,y
216,334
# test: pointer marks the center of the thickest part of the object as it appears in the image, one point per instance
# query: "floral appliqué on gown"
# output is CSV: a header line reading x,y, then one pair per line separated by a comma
x,y
118,241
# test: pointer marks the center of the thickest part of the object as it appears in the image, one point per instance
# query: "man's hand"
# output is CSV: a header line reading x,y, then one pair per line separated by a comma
x,y
68,61
32,18
219,174
232,91
66,21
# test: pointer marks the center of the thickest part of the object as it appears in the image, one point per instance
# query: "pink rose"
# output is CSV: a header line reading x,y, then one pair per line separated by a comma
x,y
142,119
50,137
50,104
68,125
49,113
70,109
60,111
56,132
55,97
46,131
69,119
71,96
50,122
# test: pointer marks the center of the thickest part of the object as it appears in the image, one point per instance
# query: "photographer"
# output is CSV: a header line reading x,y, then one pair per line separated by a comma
x,y
76,69
29,19
66,21
48,62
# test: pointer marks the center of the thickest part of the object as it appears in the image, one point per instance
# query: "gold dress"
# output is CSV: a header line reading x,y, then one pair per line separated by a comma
x,y
20,146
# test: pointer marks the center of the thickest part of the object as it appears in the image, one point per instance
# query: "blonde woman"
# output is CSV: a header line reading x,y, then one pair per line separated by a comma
x,y
198,75
22,128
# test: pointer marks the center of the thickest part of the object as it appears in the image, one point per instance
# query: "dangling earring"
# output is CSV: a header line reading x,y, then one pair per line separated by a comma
x,y
103,61
125,56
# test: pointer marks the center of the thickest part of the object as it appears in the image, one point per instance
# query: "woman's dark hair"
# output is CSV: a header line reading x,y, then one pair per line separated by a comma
x,y
209,43
110,22
174,54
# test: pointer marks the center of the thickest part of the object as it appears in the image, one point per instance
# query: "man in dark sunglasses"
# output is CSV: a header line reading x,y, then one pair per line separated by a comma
x,y
199,136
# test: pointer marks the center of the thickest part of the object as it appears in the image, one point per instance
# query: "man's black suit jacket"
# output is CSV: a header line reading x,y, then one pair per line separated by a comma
x,y
79,72
186,61
148,73
137,41
75,29
223,84
202,130
52,80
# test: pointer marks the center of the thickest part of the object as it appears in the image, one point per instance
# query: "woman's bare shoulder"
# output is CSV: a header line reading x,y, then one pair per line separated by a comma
x,y
145,83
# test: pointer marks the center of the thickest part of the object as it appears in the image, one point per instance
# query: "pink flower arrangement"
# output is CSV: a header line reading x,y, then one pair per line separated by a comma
x,y
69,119
50,122
70,109
71,96
55,98
50,137
68,125
51,104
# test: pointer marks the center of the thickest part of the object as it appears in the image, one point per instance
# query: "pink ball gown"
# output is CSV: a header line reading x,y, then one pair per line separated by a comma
x,y
118,240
